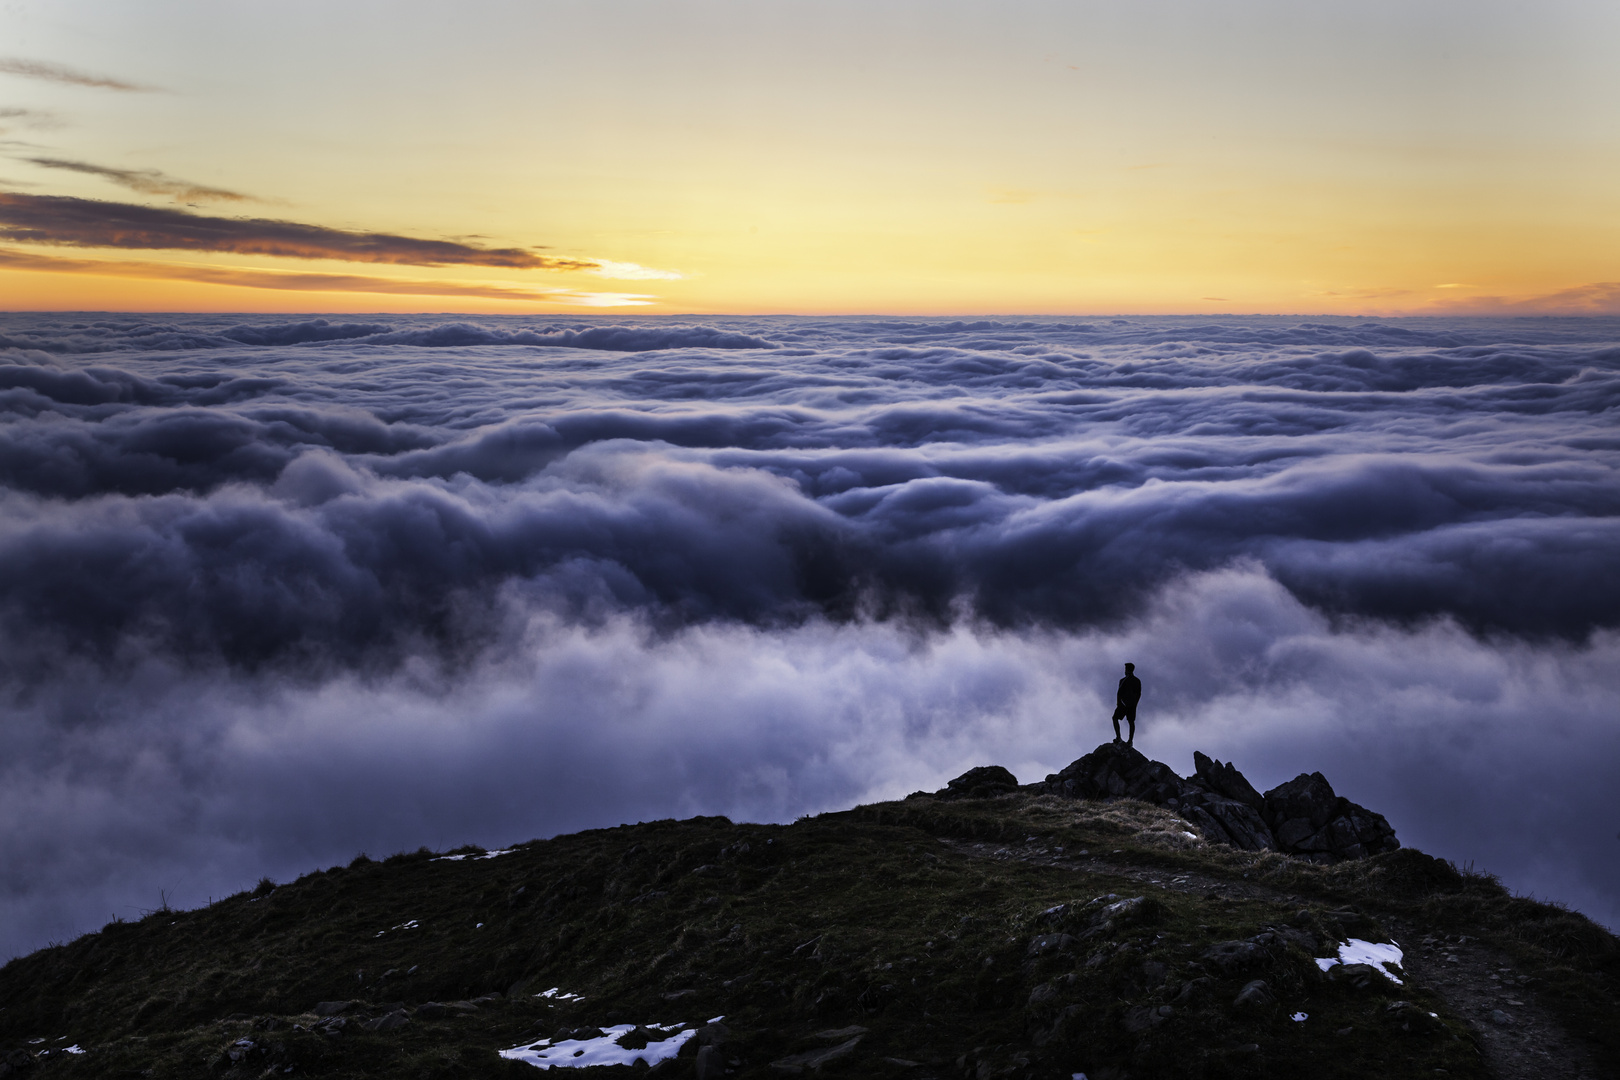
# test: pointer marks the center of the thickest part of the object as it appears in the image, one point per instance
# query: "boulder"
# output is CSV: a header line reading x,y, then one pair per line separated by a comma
x,y
1255,993
984,782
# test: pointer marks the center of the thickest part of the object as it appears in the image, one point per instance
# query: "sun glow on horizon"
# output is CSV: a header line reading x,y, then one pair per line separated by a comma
x,y
1163,158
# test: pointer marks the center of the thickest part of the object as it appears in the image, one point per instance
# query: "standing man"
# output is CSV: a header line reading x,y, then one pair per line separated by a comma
x,y
1130,692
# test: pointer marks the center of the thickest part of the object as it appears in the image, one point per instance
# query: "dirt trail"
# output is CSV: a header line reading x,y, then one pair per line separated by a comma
x,y
1520,1038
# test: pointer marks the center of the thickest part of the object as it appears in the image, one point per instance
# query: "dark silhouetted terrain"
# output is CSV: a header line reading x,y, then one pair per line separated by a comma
x,y
982,931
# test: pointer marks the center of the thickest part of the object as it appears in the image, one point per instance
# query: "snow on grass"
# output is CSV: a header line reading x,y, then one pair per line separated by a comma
x,y
402,926
1300,1018
1357,951
485,855
602,1050
560,995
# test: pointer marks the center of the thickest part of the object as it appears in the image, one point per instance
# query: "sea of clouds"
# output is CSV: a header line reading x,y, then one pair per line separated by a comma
x,y
274,591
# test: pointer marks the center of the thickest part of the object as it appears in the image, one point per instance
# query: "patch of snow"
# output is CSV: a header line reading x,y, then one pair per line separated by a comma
x,y
556,992
402,926
1357,951
603,1050
485,855
1300,1018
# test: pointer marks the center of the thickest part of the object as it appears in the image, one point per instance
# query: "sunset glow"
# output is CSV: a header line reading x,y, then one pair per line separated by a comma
x,y
1155,158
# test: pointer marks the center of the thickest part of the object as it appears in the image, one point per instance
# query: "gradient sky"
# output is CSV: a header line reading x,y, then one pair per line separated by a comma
x,y
1067,157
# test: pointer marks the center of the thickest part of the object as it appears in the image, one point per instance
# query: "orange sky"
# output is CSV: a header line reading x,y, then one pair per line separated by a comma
x,y
930,158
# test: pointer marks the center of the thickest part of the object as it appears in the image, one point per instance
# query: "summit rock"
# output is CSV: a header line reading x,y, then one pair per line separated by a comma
x,y
1303,817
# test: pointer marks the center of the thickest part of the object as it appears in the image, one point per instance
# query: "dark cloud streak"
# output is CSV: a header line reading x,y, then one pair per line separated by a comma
x,y
242,278
145,181
72,222
58,73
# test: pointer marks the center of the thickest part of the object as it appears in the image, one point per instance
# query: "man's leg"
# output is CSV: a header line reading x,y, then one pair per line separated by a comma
x,y
1130,714
1116,729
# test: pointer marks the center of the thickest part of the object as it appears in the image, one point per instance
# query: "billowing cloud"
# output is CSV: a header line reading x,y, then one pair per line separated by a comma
x,y
58,73
419,581
145,181
241,277
73,222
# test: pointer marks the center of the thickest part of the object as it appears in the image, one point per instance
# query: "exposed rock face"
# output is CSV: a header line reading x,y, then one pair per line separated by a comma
x,y
1307,817
1302,817
981,783
1116,771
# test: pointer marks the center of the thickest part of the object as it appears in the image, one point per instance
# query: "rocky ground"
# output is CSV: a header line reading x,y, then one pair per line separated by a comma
x,y
1519,1037
981,932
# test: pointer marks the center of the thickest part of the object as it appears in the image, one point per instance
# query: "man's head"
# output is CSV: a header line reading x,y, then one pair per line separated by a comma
x,y
1129,668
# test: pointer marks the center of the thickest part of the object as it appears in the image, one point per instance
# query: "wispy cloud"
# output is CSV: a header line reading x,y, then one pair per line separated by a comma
x,y
11,259
145,181
37,69
73,222
1595,298
27,118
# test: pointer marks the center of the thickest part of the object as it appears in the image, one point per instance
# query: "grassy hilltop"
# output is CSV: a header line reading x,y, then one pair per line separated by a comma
x,y
988,937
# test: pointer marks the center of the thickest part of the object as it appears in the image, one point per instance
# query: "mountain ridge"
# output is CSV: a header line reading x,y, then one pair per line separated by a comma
x,y
962,933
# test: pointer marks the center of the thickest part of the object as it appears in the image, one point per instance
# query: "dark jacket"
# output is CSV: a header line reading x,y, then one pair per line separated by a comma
x,y
1130,690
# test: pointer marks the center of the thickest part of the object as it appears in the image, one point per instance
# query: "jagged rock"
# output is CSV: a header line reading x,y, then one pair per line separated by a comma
x,y
1224,819
1223,778
1308,818
1303,817
1300,808
1115,771
983,782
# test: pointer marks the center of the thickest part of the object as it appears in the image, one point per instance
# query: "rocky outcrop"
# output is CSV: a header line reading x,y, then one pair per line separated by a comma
x,y
1303,817
1116,771
1308,818
982,783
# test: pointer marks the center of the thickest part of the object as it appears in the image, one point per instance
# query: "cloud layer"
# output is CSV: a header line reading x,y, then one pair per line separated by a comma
x,y
274,592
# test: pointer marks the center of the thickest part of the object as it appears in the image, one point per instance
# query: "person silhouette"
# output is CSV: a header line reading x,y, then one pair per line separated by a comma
x,y
1130,692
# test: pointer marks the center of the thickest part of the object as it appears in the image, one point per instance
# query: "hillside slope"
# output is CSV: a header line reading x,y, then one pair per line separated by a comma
x,y
1012,934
